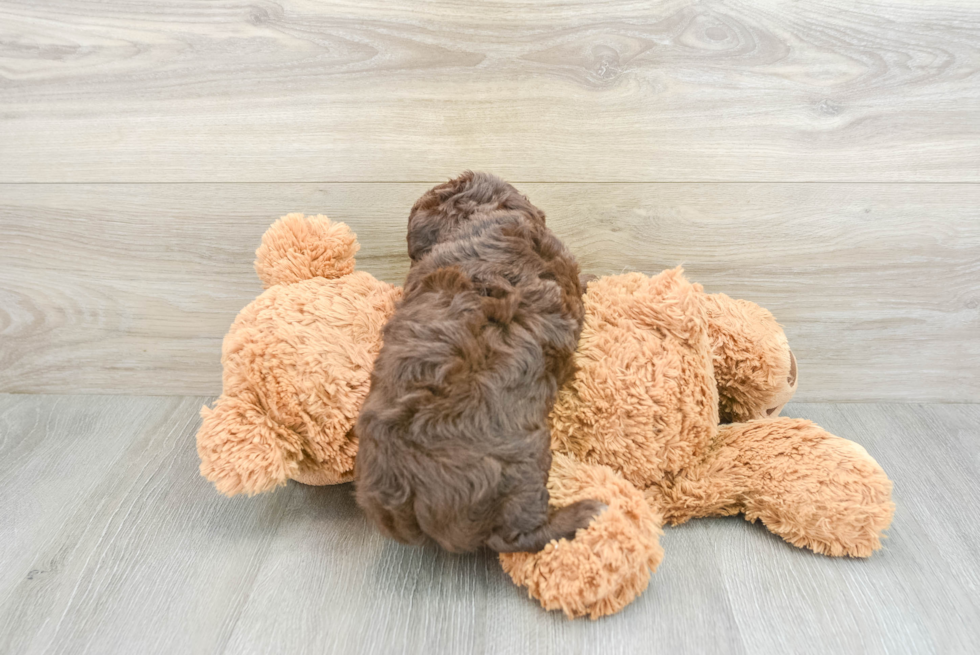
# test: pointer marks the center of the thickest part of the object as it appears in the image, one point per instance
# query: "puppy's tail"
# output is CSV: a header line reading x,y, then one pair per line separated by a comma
x,y
563,523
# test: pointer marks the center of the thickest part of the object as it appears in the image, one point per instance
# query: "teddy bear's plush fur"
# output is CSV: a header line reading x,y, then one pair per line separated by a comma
x,y
644,407
297,363
660,364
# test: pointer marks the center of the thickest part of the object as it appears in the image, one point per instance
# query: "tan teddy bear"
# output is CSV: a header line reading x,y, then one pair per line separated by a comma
x,y
659,364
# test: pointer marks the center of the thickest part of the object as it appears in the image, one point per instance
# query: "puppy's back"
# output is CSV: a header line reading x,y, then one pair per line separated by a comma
x,y
454,442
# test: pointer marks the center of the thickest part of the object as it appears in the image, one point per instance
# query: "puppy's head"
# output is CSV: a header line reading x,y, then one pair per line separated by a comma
x,y
444,208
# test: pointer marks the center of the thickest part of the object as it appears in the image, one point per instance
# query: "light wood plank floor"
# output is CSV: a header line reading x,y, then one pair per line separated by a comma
x,y
111,542
821,158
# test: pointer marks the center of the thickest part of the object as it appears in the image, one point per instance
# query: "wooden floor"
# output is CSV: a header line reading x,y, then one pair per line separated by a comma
x,y
821,158
112,543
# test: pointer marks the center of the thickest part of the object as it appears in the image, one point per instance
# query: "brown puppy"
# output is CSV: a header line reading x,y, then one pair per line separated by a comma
x,y
454,438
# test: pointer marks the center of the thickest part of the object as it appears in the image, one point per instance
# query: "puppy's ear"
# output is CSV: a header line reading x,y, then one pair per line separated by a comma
x,y
531,212
423,234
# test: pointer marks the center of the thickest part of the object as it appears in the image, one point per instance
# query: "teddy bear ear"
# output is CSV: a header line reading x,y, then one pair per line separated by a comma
x,y
298,247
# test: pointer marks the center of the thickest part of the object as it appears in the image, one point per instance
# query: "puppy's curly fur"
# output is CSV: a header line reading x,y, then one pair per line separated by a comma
x,y
454,437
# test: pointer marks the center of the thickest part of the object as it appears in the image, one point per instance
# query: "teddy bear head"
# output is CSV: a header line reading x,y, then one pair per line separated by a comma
x,y
297,363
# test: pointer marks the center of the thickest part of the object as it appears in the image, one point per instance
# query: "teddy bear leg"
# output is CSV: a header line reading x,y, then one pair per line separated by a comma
x,y
607,564
811,488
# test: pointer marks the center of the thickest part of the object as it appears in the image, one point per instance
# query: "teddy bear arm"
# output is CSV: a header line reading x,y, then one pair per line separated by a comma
x,y
317,474
242,450
811,488
753,364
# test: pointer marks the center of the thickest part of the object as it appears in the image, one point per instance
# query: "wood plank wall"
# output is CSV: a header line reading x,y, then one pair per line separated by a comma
x,y
820,158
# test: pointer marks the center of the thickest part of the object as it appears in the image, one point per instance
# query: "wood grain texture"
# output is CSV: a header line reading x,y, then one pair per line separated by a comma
x,y
929,561
130,288
111,543
109,536
397,90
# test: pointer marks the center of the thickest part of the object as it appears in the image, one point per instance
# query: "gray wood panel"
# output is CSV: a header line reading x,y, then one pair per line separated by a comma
x,y
397,90
111,542
110,538
130,288
928,573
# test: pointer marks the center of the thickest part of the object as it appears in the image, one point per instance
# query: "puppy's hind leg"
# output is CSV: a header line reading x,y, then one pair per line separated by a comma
x,y
559,524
